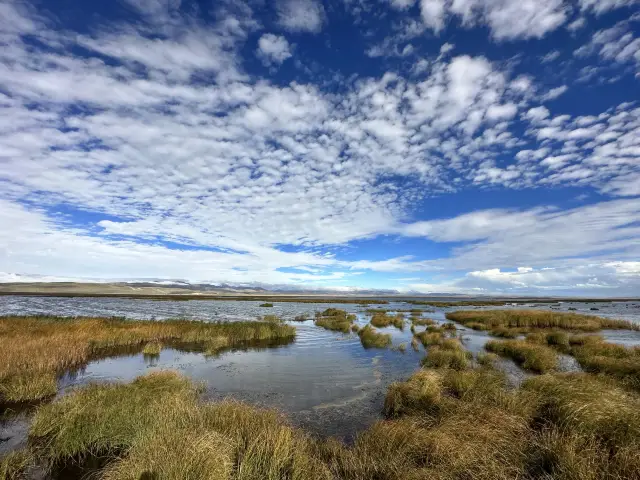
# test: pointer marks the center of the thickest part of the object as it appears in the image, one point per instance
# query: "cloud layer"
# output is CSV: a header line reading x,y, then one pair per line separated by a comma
x,y
155,150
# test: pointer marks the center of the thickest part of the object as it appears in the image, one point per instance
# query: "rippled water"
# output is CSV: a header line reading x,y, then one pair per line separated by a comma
x,y
325,381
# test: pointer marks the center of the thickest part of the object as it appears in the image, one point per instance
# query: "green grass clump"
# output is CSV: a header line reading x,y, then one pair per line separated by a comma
x,y
155,427
537,319
530,356
335,319
266,304
422,322
382,320
440,357
503,332
370,338
487,359
152,348
420,394
15,465
34,351
617,361
476,326
590,406
430,338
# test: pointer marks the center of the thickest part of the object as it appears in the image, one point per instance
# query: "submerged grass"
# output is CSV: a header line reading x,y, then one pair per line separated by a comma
x,y
34,351
536,319
335,319
370,338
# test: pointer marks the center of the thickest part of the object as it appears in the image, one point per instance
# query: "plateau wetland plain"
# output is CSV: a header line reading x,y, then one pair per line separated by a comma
x,y
269,388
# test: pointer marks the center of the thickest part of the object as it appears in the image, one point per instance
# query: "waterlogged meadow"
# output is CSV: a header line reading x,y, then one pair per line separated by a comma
x,y
236,390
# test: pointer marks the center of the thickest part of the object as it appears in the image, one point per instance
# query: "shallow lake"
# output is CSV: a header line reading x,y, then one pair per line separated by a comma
x,y
324,381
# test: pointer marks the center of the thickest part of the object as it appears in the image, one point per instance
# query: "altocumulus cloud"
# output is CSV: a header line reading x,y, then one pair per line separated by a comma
x,y
174,141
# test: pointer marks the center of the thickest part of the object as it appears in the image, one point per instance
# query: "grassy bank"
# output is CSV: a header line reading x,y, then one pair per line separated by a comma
x,y
535,319
441,423
34,351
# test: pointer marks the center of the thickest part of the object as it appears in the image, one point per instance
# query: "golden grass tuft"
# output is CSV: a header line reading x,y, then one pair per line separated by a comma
x,y
536,319
441,357
370,338
335,319
152,348
382,320
422,322
530,356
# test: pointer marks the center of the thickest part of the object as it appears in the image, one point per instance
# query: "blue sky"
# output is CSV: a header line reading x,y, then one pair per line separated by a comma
x,y
454,146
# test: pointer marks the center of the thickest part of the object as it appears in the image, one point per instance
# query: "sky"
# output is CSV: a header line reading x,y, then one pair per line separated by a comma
x,y
449,146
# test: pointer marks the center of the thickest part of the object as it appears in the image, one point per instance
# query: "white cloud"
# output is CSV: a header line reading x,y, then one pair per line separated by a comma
x,y
231,170
554,93
273,49
402,4
618,44
301,15
433,13
601,6
577,24
507,19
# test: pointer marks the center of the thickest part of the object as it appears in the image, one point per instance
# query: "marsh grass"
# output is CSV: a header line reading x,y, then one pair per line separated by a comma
x,y
443,357
301,318
620,362
536,319
415,345
335,319
504,332
152,348
429,338
422,322
266,305
156,427
441,423
34,351
370,338
530,356
382,320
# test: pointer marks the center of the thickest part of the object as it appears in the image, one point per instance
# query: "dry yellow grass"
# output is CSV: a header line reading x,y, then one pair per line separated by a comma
x,y
530,356
442,424
536,319
35,350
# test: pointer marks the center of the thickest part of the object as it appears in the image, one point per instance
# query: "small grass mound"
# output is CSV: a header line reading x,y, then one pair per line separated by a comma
x,y
530,356
504,332
441,357
370,338
536,319
266,305
335,319
422,322
429,338
382,320
617,361
152,348
301,318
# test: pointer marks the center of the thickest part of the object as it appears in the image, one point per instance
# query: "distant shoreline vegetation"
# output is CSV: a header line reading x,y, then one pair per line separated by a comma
x,y
320,299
